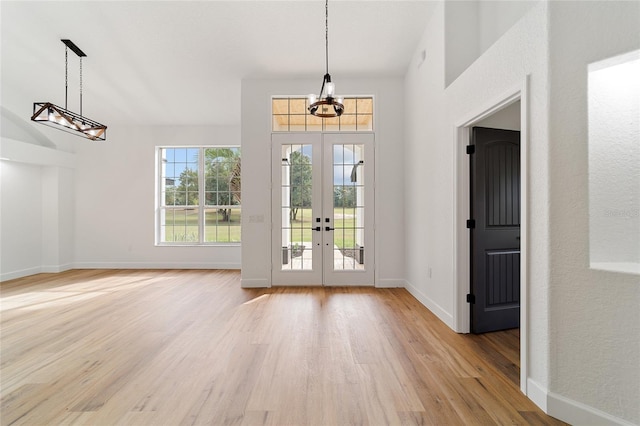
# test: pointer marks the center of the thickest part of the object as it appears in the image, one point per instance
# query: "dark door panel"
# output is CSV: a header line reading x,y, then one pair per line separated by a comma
x,y
495,240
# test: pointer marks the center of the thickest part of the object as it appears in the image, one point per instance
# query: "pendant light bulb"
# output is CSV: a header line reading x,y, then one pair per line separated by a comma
x,y
331,89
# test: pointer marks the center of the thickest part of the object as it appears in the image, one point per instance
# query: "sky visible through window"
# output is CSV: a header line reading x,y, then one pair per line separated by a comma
x,y
178,160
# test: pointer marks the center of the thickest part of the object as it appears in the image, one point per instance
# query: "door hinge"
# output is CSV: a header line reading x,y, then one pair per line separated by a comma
x,y
471,223
471,298
471,149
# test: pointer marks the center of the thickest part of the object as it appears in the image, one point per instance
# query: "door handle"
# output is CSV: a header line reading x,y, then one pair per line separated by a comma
x,y
326,228
317,228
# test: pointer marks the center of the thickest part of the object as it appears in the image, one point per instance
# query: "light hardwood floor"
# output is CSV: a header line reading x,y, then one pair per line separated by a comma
x,y
171,347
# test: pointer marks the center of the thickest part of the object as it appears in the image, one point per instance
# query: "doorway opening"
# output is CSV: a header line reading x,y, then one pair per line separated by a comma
x,y
496,113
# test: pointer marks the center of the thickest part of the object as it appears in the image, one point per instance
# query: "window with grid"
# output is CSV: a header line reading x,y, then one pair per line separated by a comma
x,y
199,195
290,114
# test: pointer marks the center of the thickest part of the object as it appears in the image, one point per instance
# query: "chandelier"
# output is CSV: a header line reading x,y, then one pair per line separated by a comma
x,y
63,119
326,104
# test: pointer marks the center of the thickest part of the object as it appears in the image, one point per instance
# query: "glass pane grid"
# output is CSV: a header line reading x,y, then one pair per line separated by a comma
x,y
348,207
222,225
223,195
180,225
290,114
296,187
179,177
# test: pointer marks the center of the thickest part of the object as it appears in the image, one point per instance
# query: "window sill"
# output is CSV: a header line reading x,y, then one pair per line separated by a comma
x,y
624,267
198,245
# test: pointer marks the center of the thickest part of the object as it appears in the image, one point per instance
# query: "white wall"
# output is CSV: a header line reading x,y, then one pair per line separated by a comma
x,y
428,169
256,171
21,219
58,219
37,217
497,17
461,38
471,27
594,315
36,199
115,200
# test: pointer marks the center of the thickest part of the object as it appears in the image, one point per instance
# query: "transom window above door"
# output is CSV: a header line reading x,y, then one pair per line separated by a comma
x,y
290,114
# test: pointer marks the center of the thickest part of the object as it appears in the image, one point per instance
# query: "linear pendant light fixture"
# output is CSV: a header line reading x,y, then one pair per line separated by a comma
x,y
63,119
326,105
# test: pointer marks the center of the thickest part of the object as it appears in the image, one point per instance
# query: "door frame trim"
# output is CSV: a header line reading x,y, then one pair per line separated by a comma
x,y
462,190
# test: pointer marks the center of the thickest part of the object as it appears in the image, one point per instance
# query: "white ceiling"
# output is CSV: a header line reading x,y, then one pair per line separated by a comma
x,y
182,62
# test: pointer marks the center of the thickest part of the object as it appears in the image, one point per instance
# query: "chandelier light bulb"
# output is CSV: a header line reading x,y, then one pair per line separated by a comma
x,y
331,89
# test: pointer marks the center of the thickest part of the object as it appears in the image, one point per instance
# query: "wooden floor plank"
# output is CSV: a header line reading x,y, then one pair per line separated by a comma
x,y
191,347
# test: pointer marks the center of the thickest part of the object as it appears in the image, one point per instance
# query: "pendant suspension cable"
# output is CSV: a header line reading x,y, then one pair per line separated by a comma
x,y
80,85
326,33
66,75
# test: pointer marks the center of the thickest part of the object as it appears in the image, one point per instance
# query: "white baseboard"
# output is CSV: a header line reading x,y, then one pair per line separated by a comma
x,y
254,283
444,316
54,269
155,265
568,410
577,413
6,276
537,394
46,269
390,283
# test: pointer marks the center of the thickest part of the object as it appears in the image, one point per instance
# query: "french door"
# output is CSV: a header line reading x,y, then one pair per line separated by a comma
x,y
322,195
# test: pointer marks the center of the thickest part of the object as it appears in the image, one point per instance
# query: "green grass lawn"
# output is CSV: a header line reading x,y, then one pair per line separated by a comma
x,y
183,227
344,235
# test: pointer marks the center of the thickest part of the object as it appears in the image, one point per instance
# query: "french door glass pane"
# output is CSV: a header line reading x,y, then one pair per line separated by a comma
x,y
296,186
348,206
